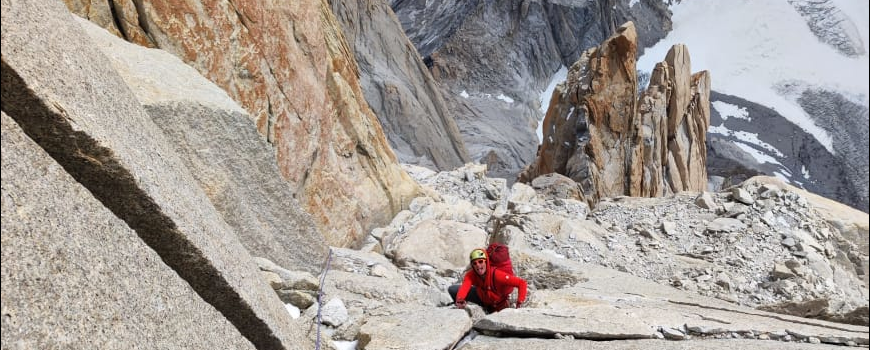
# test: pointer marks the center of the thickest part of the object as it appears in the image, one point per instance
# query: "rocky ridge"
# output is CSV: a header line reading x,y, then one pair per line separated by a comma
x,y
760,244
601,133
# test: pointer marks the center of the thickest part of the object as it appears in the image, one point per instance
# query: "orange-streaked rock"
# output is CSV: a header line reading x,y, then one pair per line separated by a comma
x,y
599,133
289,66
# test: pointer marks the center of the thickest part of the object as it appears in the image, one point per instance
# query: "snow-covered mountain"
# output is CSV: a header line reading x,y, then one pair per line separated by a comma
x,y
791,88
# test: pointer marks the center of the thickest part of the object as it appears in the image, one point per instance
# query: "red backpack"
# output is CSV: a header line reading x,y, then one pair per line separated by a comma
x,y
500,257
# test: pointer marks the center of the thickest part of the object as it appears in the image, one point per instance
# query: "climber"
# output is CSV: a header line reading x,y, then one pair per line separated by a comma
x,y
485,286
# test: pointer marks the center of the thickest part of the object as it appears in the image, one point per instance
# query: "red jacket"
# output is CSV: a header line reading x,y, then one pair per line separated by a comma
x,y
494,288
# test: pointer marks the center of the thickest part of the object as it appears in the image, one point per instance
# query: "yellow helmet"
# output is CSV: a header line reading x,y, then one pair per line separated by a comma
x,y
477,254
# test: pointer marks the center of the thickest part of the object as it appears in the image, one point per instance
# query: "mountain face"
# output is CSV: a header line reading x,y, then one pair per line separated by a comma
x,y
472,47
494,57
399,88
186,196
790,151
787,100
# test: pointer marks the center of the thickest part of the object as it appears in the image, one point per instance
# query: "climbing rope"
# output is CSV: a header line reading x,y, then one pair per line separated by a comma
x,y
320,296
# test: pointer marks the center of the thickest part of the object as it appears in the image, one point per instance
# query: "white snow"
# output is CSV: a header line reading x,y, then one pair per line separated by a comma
x,y
727,110
751,47
501,96
345,345
293,310
745,137
758,155
780,176
547,94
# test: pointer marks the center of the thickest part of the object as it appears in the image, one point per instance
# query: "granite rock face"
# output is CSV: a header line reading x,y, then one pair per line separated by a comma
x,y
76,276
127,180
65,96
217,141
602,135
289,66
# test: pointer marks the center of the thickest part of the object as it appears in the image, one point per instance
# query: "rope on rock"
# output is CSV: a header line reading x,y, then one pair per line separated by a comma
x,y
320,295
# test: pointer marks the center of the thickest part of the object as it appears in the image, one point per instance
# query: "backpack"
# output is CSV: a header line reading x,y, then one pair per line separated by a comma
x,y
500,257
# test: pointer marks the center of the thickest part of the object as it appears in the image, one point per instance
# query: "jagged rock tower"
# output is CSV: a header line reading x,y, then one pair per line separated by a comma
x,y
600,134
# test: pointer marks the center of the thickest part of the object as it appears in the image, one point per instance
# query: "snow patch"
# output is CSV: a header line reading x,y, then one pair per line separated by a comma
x,y
780,176
464,94
727,110
345,345
505,98
293,311
558,77
758,155
745,137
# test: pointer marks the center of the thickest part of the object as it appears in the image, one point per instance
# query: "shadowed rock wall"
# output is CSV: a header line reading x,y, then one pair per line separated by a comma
x,y
399,87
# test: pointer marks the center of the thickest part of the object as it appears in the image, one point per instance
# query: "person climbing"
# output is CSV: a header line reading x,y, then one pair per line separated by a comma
x,y
486,286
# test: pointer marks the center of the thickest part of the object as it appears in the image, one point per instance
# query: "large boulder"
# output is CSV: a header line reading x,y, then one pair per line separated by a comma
x,y
217,140
431,328
65,96
442,244
76,276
